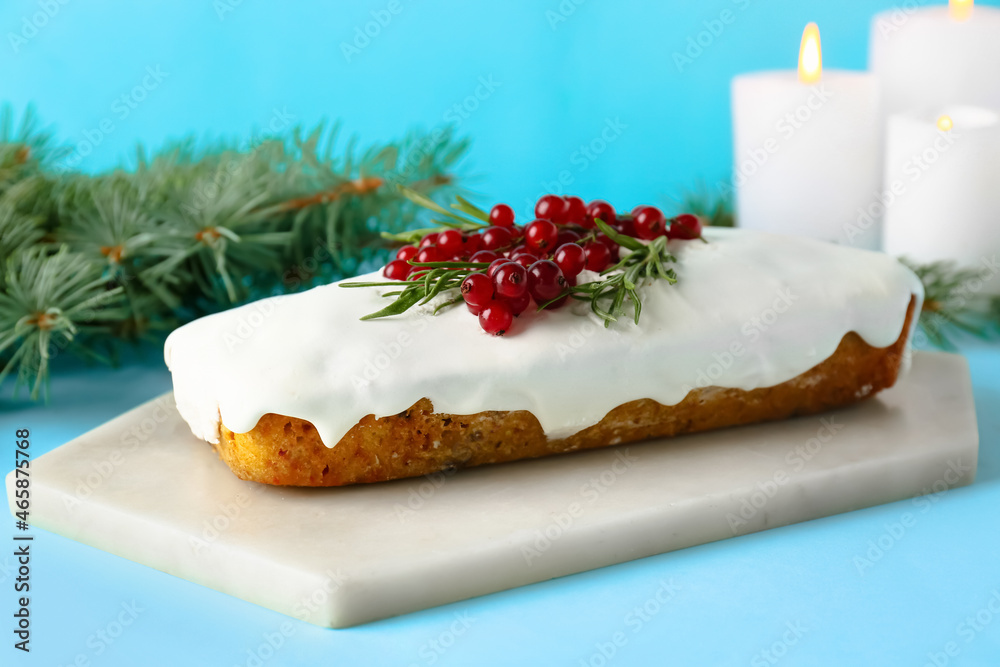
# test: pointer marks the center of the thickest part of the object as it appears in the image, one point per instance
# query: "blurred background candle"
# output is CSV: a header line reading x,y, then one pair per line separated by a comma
x,y
807,150
933,57
943,171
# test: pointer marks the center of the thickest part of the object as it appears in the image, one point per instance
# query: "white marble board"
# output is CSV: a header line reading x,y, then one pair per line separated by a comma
x,y
142,487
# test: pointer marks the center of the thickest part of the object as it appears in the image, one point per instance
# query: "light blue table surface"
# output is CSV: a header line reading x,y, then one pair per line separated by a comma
x,y
790,596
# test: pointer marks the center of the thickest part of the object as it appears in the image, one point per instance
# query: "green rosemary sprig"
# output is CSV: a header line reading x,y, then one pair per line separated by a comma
x,y
451,220
644,262
434,278
467,207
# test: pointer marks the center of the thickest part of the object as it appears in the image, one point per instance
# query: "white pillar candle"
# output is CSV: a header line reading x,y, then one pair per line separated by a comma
x,y
942,187
934,57
807,150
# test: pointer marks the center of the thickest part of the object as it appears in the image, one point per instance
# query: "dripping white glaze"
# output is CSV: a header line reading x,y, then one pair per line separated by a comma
x,y
750,310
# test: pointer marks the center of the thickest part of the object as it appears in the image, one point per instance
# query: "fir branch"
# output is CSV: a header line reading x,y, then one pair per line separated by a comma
x,y
359,187
221,238
110,225
48,302
716,209
22,151
195,228
18,232
952,304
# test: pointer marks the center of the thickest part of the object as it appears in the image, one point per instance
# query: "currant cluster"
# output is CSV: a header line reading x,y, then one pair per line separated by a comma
x,y
535,263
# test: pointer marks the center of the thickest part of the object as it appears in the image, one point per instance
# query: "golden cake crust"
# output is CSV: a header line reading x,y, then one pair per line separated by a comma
x,y
287,451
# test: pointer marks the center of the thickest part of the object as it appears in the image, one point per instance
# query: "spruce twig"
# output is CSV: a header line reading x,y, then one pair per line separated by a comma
x,y
716,209
191,229
952,304
33,329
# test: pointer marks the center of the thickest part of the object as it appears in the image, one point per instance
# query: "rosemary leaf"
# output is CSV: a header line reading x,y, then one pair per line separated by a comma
x,y
402,303
430,204
467,207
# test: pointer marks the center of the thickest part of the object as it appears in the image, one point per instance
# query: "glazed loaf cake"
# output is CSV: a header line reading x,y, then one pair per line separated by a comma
x,y
296,390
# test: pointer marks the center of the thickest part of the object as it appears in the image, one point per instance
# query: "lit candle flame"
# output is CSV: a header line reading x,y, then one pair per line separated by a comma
x,y
810,55
945,123
960,10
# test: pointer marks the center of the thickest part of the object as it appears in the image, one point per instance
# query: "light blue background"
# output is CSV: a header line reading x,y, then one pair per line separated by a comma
x,y
558,88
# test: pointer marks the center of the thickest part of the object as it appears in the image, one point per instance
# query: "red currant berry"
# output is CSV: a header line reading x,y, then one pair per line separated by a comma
x,y
496,264
430,239
576,211
477,289
553,208
685,226
449,242
471,244
541,235
475,310
510,280
519,250
407,252
397,269
649,223
545,281
571,259
599,209
525,259
612,247
598,256
429,253
566,236
495,238
519,304
496,318
624,226
502,215
483,257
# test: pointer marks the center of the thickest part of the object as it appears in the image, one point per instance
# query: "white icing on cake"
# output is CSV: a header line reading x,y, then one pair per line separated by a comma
x,y
750,310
